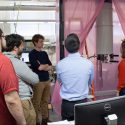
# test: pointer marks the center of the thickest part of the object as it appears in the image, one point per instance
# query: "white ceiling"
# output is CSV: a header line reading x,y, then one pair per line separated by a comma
x,y
26,7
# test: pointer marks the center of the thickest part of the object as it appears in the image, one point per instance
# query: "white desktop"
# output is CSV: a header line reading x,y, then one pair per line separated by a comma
x,y
65,122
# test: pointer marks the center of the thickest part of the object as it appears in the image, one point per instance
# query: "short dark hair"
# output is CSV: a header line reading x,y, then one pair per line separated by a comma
x,y
123,48
72,43
36,38
13,40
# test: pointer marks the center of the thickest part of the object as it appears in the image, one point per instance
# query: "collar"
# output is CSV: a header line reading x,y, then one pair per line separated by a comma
x,y
77,54
11,54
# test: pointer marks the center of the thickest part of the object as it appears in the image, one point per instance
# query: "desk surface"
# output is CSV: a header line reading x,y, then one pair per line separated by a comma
x,y
65,122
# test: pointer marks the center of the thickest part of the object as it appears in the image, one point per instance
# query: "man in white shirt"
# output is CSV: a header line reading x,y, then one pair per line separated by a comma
x,y
75,75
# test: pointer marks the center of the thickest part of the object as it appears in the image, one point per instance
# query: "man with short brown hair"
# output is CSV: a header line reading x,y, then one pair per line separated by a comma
x,y
40,64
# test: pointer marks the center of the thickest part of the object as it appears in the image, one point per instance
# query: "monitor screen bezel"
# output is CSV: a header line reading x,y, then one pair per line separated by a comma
x,y
107,103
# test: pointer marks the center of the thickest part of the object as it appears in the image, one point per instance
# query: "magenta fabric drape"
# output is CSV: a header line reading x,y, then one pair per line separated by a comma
x,y
56,99
79,17
108,81
120,9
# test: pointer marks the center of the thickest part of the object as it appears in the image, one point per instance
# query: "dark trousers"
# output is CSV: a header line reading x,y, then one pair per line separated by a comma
x,y
122,92
67,109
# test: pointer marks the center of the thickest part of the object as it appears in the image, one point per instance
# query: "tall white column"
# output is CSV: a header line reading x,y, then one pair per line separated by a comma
x,y
104,31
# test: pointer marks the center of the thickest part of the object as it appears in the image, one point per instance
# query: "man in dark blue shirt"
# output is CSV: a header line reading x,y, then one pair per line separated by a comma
x,y
40,64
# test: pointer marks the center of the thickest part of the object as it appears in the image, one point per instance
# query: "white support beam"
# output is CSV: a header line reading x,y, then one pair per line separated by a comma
x,y
27,8
27,21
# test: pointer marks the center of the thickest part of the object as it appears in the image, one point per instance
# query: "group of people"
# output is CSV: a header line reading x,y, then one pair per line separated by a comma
x,y
25,92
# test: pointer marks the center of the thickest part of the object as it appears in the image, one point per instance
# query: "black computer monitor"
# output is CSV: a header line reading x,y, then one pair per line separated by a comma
x,y
94,113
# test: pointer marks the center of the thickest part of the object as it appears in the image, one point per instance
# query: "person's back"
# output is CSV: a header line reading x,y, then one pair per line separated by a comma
x,y
75,72
75,75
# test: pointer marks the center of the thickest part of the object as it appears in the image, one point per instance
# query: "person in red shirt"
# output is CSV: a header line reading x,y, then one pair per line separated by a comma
x,y
11,111
121,71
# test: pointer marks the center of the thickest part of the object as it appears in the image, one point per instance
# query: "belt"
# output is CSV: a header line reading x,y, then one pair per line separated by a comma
x,y
82,100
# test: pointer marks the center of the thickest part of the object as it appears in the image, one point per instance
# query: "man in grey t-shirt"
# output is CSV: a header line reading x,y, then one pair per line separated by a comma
x,y
26,77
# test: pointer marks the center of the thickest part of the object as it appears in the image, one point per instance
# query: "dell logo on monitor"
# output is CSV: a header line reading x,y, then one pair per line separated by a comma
x,y
107,107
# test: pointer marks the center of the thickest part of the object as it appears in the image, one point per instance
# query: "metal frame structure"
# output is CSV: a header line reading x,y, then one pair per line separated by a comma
x,y
61,28
27,8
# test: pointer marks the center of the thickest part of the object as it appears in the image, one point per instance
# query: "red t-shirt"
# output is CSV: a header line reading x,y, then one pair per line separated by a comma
x,y
121,74
8,83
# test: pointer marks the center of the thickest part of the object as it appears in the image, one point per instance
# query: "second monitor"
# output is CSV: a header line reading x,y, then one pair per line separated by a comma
x,y
94,113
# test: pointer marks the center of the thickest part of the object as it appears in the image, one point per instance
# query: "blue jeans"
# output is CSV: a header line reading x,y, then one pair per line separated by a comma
x,y
122,92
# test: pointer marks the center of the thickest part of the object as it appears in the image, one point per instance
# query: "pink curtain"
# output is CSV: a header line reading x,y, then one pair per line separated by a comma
x,y
120,9
106,85
56,99
80,16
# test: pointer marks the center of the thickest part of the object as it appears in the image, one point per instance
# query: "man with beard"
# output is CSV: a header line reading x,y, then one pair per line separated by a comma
x,y
11,111
26,77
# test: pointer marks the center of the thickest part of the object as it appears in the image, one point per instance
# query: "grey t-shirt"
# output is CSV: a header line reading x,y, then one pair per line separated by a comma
x,y
26,76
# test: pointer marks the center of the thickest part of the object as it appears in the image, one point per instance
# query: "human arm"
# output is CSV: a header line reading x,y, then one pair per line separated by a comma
x,y
15,107
39,62
34,60
9,85
43,67
91,78
118,72
24,72
47,66
58,74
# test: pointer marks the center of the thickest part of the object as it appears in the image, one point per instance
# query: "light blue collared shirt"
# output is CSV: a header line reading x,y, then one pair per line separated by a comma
x,y
75,75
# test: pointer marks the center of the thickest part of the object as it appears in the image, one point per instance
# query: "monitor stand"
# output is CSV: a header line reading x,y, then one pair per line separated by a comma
x,y
111,119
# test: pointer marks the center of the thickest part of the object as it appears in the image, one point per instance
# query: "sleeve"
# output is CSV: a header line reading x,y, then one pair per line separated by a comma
x,y
48,60
33,61
91,74
28,75
118,70
8,78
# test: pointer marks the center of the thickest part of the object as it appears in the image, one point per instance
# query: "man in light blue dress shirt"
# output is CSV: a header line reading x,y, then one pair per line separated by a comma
x,y
75,75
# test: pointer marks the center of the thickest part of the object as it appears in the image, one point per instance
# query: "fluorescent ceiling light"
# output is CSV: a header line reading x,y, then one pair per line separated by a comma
x,y
29,22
